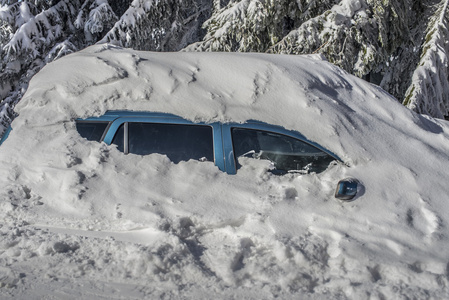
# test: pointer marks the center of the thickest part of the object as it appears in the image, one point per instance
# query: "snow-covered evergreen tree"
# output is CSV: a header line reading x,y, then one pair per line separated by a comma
x,y
401,29
255,25
428,92
168,25
345,34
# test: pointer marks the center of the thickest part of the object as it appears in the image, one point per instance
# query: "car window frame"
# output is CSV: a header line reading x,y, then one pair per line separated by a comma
x,y
223,150
216,131
231,161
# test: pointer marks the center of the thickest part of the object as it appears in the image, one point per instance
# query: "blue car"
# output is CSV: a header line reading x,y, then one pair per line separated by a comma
x,y
143,133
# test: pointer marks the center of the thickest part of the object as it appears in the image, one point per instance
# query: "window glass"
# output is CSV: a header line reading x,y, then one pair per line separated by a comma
x,y
177,141
93,131
286,153
119,139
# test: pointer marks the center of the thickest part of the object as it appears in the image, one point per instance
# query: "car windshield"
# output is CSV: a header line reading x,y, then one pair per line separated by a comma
x,y
286,153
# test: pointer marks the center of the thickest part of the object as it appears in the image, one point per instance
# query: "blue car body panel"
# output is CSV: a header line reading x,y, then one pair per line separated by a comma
x,y
5,135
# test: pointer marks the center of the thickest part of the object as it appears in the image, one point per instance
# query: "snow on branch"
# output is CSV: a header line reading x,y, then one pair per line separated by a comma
x,y
346,34
429,91
41,30
255,25
100,19
156,25
33,35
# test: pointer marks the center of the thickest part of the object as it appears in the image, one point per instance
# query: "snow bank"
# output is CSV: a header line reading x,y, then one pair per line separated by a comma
x,y
81,214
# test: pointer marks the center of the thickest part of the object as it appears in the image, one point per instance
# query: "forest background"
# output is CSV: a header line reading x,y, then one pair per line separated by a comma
x,y
400,45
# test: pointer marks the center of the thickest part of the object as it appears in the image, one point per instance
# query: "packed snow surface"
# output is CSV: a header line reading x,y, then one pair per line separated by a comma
x,y
80,219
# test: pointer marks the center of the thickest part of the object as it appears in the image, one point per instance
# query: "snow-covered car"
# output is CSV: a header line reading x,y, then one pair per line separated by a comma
x,y
91,218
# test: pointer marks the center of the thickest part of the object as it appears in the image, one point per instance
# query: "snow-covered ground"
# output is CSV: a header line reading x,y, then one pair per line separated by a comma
x,y
79,219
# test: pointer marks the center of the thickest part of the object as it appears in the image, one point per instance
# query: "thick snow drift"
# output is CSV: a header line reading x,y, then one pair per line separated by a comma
x,y
81,219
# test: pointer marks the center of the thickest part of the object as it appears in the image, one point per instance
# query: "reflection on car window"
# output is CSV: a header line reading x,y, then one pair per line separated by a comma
x,y
119,138
178,141
93,131
286,153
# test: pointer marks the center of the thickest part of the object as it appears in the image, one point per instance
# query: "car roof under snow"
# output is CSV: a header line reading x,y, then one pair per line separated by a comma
x,y
303,93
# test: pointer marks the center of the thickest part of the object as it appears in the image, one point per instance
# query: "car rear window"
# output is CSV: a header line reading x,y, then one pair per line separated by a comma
x,y
286,153
93,131
179,142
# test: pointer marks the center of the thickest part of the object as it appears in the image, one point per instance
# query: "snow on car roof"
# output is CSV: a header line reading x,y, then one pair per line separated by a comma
x,y
248,230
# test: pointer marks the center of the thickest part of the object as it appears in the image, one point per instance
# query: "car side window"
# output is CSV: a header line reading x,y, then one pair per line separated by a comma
x,y
119,138
93,131
286,153
179,142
